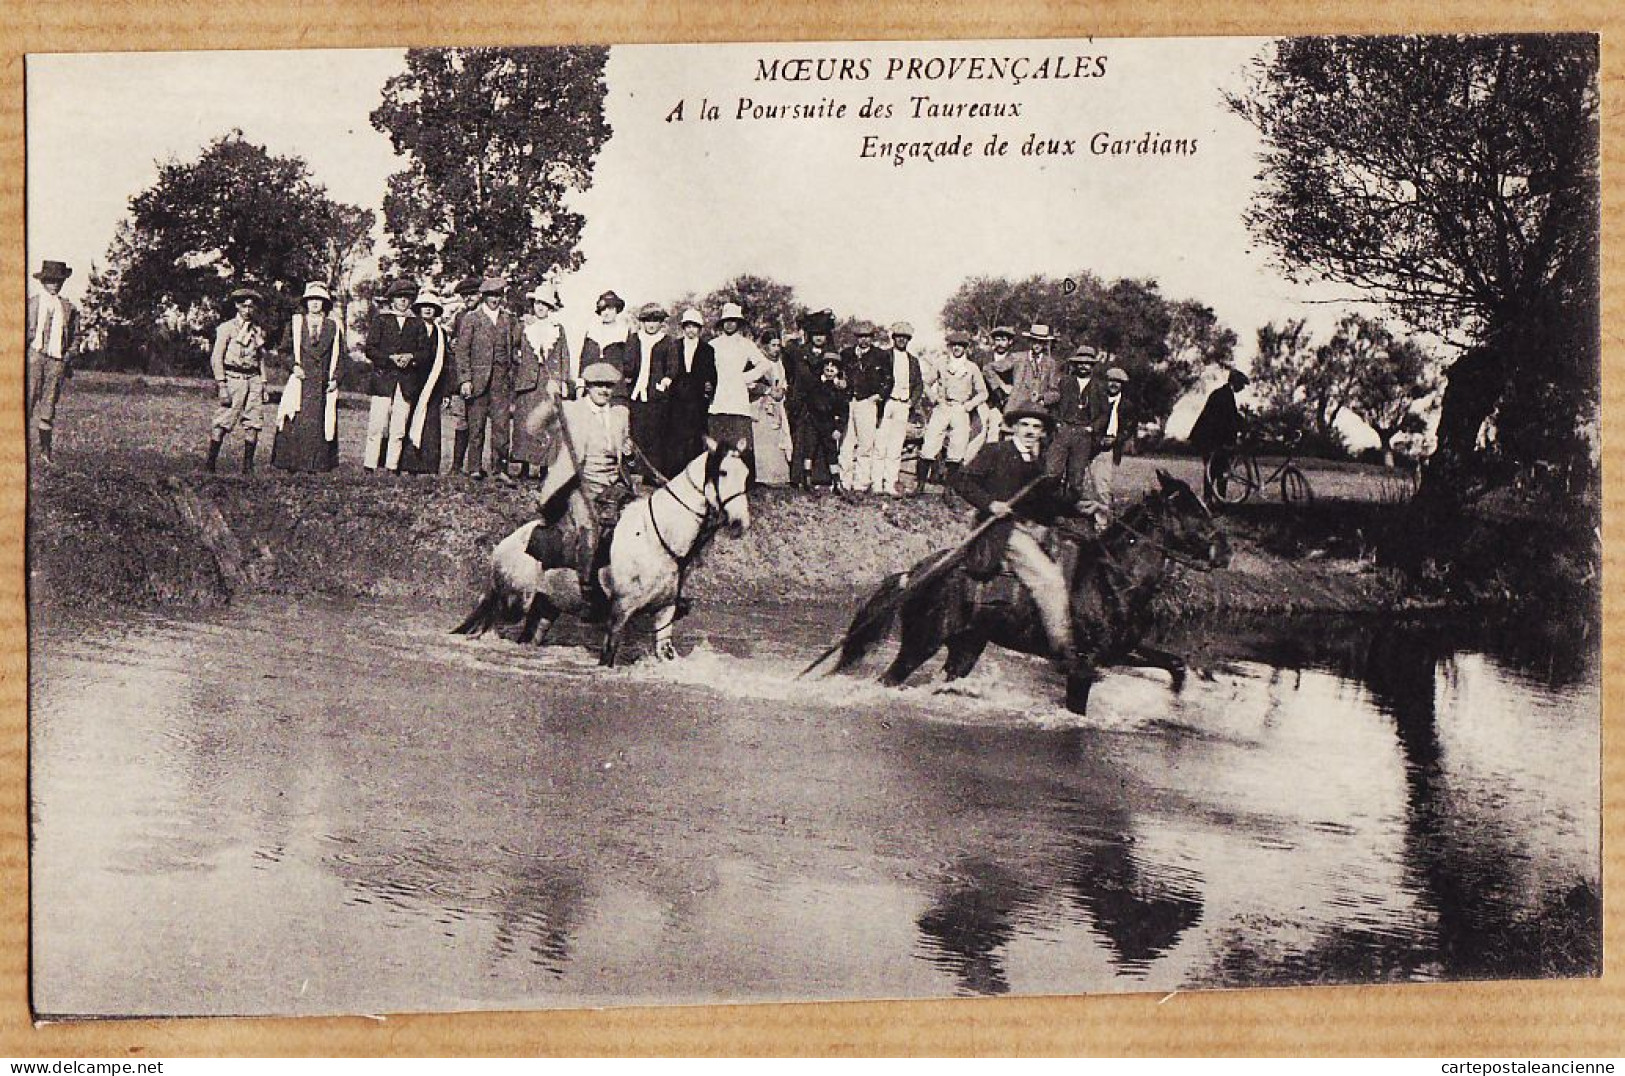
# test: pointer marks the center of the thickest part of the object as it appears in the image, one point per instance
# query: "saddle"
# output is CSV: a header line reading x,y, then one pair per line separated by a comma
x,y
553,545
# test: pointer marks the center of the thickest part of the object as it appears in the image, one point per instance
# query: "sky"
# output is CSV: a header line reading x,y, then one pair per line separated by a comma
x,y
684,205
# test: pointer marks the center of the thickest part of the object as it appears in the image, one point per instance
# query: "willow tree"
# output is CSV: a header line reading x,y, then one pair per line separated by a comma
x,y
1454,180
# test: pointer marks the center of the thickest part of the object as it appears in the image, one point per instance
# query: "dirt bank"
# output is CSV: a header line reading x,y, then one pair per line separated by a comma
x,y
101,540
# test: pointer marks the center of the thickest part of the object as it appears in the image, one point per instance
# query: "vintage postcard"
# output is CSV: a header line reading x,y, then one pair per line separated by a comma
x,y
525,528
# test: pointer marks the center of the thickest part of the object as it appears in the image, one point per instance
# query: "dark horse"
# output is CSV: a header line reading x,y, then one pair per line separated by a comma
x,y
1118,576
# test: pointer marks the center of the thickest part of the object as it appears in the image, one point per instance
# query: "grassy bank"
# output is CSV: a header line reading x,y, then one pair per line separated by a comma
x,y
126,518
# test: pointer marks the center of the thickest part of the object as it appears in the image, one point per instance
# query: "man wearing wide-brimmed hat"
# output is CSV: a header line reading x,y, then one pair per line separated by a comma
x,y
394,340
238,362
487,353
868,372
53,335
1034,377
1006,481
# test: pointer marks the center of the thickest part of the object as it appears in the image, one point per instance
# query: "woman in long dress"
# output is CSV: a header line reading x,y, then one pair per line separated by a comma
x,y
540,381
420,449
307,437
770,421
740,364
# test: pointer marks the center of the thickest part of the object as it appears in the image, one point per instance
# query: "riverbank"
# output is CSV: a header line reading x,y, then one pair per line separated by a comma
x,y
115,537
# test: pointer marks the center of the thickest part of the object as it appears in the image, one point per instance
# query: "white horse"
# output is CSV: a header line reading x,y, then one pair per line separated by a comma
x,y
656,538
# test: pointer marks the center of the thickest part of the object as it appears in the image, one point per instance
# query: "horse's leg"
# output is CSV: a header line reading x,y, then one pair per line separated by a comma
x,y
535,613
665,617
964,651
921,637
1152,658
1079,681
612,643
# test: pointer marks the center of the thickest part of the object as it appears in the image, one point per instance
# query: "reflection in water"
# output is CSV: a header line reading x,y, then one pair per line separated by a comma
x,y
486,825
1140,914
969,924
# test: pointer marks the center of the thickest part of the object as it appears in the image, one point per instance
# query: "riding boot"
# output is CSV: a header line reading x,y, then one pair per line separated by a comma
x,y
214,454
595,601
459,449
1066,556
45,446
248,456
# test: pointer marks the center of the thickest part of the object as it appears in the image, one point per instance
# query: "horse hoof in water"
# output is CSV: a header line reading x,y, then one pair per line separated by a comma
x,y
666,651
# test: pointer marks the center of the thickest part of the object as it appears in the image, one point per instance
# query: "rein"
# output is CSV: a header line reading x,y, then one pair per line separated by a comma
x,y
710,518
1180,559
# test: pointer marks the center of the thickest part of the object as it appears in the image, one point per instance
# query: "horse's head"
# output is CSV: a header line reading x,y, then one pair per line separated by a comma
x,y
725,476
1190,528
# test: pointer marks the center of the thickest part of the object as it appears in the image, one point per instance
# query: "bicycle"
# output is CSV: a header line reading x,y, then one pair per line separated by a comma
x,y
1240,476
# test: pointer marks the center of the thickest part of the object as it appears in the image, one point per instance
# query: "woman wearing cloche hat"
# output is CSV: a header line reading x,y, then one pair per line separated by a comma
x,y
740,364
307,436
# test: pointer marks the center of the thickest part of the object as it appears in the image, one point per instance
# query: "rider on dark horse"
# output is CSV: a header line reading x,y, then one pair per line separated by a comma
x,y
991,482
587,486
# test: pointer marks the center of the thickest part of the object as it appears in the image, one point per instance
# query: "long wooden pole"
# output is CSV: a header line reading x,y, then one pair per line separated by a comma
x,y
941,565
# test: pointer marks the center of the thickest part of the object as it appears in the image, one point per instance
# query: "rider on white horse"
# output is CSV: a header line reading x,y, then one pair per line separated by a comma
x,y
587,484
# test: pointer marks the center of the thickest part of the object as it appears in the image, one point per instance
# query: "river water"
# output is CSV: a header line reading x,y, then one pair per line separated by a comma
x,y
293,807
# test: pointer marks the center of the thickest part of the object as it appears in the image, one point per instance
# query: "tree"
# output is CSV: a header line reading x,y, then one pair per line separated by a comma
x,y
1196,340
236,215
767,303
496,140
1455,180
1388,386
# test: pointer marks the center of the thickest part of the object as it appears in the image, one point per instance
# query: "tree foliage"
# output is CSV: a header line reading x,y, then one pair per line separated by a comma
x,y
1162,343
496,139
767,304
236,215
1454,179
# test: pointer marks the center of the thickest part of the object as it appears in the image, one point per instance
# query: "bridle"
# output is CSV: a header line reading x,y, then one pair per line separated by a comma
x,y
711,515
1183,560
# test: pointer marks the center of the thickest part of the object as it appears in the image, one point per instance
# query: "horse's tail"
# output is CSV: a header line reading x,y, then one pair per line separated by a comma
x,y
873,621
483,618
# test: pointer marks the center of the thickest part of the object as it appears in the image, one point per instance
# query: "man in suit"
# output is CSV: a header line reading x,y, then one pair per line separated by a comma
x,y
693,372
238,363
868,373
1033,376
991,482
587,485
1071,449
53,336
651,359
394,340
468,298
487,352
1217,429
907,390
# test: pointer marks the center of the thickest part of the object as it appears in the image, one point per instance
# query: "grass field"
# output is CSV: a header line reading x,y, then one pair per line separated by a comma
x,y
161,426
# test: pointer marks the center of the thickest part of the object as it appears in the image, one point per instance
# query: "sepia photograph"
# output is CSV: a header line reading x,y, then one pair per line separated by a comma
x,y
578,526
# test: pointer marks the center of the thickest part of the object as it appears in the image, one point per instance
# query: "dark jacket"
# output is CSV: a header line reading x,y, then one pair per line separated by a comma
x,y
868,374
386,336
1100,415
1076,406
997,473
1220,423
666,357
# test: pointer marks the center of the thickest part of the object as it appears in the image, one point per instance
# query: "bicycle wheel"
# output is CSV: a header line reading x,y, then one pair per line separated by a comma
x,y
1233,483
1295,487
